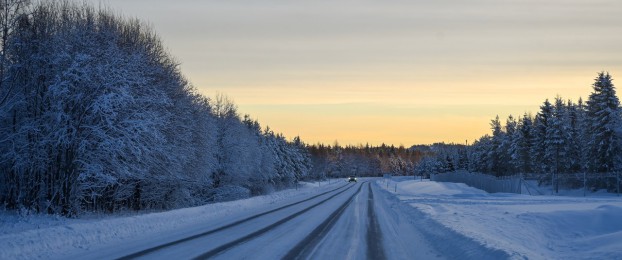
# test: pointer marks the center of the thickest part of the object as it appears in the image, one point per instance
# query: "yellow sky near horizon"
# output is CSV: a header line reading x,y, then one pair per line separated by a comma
x,y
407,125
403,114
394,71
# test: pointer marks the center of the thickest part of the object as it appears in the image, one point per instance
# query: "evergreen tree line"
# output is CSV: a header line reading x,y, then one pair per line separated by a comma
x,y
96,116
364,161
564,137
442,158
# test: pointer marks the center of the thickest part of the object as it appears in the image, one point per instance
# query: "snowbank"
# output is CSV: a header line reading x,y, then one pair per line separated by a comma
x,y
536,227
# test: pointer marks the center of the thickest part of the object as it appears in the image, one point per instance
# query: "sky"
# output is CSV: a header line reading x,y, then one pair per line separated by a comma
x,y
392,71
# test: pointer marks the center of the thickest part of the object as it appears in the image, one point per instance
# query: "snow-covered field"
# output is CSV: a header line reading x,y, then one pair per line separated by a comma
x,y
535,227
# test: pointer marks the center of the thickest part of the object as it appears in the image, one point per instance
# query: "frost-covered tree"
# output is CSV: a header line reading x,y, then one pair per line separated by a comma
x,y
556,142
496,154
506,148
555,139
101,119
603,113
425,167
575,141
10,13
521,145
238,154
479,155
542,122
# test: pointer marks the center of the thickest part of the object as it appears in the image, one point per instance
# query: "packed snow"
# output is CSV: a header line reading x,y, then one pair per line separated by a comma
x,y
534,227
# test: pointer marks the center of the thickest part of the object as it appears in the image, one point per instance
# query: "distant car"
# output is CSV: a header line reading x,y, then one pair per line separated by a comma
x,y
352,179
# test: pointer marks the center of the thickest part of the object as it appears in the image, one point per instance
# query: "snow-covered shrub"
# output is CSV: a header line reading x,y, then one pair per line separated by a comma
x,y
230,192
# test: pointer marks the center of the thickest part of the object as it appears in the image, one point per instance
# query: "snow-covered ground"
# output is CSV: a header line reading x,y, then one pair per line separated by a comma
x,y
522,226
535,227
52,237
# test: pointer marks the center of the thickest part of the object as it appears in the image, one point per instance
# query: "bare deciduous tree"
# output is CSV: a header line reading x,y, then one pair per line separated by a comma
x,y
10,12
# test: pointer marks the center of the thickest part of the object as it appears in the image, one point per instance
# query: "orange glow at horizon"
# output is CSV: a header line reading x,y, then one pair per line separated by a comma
x,y
400,113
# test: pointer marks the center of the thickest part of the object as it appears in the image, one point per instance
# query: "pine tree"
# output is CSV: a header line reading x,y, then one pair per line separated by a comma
x,y
555,154
480,155
521,144
538,148
573,137
583,136
507,145
555,138
496,163
603,113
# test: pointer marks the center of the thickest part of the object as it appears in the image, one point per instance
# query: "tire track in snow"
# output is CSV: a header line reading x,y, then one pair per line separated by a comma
x,y
232,244
206,233
305,247
375,250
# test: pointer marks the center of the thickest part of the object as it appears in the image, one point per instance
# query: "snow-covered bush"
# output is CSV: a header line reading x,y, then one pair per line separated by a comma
x,y
230,192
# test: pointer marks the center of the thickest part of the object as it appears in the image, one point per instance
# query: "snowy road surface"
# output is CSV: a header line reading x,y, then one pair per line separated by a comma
x,y
349,222
372,219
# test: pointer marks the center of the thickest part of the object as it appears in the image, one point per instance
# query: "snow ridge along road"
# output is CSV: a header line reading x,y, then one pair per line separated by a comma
x,y
239,222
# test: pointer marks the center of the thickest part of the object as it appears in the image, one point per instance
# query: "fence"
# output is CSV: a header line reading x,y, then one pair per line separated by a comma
x,y
488,183
536,184
588,182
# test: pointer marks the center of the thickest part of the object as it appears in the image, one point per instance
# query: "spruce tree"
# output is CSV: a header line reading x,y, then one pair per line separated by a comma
x,y
573,138
496,152
555,138
582,136
541,124
507,146
555,142
521,145
603,116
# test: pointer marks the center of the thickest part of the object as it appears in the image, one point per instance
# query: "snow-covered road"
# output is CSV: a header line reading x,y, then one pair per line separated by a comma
x,y
354,221
372,219
334,221
341,223
222,239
